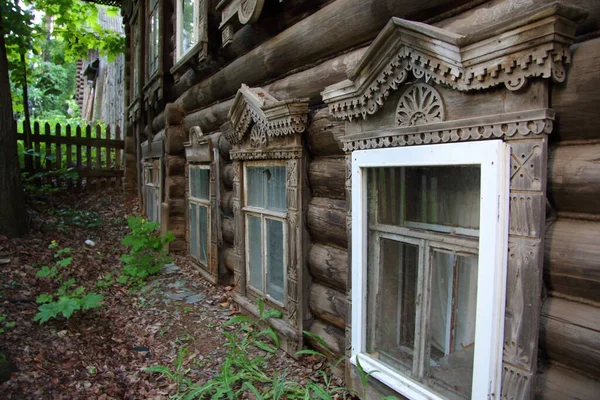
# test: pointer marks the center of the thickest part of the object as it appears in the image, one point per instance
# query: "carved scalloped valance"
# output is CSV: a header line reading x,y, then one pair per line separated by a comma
x,y
259,115
531,45
527,123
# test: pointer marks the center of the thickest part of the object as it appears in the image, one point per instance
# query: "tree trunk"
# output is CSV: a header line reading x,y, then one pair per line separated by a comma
x,y
12,211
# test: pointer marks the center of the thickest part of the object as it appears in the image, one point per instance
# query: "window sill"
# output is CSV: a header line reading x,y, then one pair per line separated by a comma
x,y
191,59
392,379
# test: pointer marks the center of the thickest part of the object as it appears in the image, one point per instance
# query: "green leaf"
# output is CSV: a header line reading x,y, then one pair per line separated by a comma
x,y
46,311
44,298
44,272
317,338
271,333
265,347
67,306
271,314
237,319
10,324
65,262
91,300
309,352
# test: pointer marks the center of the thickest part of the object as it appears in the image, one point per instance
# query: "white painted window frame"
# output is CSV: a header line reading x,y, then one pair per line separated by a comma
x,y
198,202
179,35
264,214
154,186
493,158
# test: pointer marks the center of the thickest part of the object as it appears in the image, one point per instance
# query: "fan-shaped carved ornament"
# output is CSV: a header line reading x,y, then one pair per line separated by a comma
x,y
419,104
258,138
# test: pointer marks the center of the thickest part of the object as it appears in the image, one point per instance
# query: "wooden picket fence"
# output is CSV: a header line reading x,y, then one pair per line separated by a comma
x,y
72,157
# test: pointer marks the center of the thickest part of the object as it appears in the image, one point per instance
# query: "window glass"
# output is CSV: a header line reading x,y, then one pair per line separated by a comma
x,y
187,25
392,288
275,264
266,187
438,198
153,38
200,183
193,231
203,239
254,236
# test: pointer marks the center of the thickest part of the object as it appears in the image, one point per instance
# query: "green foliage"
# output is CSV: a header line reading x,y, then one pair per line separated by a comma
x,y
83,219
5,325
69,297
105,281
148,251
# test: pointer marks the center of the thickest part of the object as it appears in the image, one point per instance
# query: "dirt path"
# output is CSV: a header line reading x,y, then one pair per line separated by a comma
x,y
102,353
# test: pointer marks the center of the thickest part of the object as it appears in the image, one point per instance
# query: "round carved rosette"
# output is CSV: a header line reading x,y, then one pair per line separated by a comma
x,y
419,104
250,10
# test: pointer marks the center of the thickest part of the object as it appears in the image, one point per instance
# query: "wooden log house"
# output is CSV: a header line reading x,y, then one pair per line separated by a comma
x,y
416,182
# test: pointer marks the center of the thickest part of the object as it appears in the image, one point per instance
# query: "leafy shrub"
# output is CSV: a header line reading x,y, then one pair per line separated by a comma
x,y
148,251
69,297
5,325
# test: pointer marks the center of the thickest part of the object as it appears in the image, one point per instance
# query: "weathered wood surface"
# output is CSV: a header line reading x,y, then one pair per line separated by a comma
x,y
175,186
572,258
323,134
570,334
340,25
227,202
577,100
328,304
227,176
329,264
326,219
327,177
557,383
228,229
574,172
229,258
308,83
333,337
278,324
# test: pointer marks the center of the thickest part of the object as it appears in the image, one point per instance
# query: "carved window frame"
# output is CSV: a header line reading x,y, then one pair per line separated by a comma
x,y
153,47
152,188
205,203
493,159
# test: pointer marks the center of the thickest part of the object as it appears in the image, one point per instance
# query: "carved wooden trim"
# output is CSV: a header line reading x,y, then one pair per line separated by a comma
x,y
532,45
520,124
273,117
247,12
419,104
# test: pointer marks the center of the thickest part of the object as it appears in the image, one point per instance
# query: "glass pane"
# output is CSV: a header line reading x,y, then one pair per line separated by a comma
x,y
187,25
391,304
266,187
452,321
203,250
275,259
254,243
193,234
437,198
200,182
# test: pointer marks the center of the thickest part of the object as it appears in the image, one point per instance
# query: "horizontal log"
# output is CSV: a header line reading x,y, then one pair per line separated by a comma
x,y
570,334
576,100
73,140
323,134
333,337
574,183
328,304
229,258
327,177
227,176
227,202
329,264
339,26
326,220
228,229
175,165
557,383
572,258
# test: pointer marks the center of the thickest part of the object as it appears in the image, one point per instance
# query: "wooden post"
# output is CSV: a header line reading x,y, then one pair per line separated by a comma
x,y
88,163
58,164
48,151
119,181
78,155
69,150
98,180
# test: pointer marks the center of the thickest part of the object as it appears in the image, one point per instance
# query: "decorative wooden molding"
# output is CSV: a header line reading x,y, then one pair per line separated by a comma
x,y
198,148
247,12
531,45
419,104
521,124
271,117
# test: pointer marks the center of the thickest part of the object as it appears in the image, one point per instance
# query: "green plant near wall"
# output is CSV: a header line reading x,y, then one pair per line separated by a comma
x,y
147,251
69,297
243,372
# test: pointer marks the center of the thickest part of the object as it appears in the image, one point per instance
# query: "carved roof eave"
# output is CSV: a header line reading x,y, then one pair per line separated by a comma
x,y
274,117
531,45
529,123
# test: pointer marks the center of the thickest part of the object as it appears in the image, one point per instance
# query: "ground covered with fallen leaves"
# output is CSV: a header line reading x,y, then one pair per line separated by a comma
x,y
102,353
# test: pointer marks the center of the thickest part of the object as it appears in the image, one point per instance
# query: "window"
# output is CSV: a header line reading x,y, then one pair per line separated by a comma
x,y
153,37
429,267
187,30
265,212
152,190
199,203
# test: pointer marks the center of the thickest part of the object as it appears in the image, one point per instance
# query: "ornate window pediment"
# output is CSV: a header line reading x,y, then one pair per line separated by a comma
x,y
531,45
235,13
257,118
